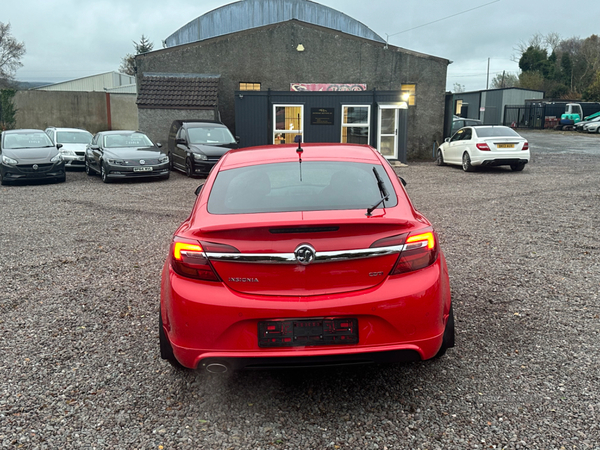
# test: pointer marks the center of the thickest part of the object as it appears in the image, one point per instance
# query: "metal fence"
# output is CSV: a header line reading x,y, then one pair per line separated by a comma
x,y
534,116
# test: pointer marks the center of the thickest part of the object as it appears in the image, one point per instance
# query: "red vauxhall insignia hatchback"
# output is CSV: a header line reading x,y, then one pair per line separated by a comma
x,y
299,256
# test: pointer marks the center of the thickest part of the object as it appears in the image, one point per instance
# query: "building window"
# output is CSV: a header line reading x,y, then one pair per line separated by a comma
x,y
287,123
458,108
249,86
355,124
409,91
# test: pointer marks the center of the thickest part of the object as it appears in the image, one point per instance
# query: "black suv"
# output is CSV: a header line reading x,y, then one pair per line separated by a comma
x,y
195,146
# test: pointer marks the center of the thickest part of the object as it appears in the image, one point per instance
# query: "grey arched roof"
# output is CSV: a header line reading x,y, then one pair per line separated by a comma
x,y
247,14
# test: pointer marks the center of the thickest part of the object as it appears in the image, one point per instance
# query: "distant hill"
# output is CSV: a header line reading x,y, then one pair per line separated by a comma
x,y
24,85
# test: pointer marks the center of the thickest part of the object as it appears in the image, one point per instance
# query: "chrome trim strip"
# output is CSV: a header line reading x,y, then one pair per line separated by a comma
x,y
320,257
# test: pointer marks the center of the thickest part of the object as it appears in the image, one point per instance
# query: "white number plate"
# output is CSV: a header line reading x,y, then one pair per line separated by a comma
x,y
142,169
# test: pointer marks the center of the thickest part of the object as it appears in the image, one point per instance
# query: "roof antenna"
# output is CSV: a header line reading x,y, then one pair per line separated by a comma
x,y
299,150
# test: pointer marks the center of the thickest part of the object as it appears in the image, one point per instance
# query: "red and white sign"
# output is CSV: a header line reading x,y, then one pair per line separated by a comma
x,y
327,87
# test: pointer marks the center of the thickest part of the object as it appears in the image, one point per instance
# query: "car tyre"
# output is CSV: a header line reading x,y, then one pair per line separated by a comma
x,y
188,168
61,179
104,173
166,177
517,167
440,158
466,163
3,182
88,170
166,350
170,161
448,340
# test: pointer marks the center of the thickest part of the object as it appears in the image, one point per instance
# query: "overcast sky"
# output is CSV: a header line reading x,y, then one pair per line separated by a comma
x,y
68,39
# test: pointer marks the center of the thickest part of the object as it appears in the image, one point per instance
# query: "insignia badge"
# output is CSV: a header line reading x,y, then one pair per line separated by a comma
x,y
142,161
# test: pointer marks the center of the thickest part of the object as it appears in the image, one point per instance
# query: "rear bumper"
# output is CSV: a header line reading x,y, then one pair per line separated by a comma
x,y
498,158
208,323
504,162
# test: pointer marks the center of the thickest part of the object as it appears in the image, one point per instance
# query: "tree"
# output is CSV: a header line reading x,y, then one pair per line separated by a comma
x,y
128,61
7,109
11,52
505,80
592,94
458,87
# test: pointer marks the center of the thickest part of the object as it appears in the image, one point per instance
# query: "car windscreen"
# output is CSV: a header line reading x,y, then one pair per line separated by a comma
x,y
210,135
73,137
310,186
496,132
27,140
127,140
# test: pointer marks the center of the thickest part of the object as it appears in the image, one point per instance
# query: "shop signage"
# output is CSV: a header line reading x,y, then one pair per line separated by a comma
x,y
321,116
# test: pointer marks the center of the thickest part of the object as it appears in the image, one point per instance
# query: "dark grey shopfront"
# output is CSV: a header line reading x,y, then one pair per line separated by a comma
x,y
377,118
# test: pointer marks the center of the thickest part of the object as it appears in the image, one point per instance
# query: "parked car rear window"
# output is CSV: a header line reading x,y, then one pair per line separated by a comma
x,y
496,131
310,186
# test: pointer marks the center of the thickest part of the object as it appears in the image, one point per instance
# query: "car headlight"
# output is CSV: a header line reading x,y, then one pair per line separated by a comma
x,y
56,158
200,157
163,159
7,160
67,152
115,161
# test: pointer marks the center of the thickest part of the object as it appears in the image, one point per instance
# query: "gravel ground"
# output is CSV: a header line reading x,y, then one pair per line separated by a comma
x,y
80,265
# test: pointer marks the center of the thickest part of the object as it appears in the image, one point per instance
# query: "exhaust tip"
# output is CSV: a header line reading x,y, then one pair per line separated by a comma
x,y
216,368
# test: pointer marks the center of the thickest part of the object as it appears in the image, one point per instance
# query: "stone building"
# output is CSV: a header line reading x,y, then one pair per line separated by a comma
x,y
286,46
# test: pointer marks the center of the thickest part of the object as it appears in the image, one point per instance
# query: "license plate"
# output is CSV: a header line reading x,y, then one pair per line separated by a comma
x,y
505,145
296,333
142,169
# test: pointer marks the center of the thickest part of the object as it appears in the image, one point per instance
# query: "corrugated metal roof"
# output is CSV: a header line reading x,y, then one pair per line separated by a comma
x,y
94,83
248,14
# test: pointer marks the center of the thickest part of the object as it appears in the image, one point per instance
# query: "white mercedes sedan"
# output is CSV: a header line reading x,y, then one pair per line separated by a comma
x,y
485,145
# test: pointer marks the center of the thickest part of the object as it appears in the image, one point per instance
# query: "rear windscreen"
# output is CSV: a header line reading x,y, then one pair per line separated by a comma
x,y
310,186
496,132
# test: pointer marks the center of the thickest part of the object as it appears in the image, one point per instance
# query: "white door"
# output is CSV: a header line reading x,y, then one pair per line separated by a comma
x,y
387,141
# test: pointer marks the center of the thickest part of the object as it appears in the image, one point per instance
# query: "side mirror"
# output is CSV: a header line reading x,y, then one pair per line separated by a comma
x,y
94,146
237,139
158,144
198,189
402,180
180,141
58,146
447,139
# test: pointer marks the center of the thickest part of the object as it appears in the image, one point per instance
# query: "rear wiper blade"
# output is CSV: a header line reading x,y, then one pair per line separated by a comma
x,y
382,189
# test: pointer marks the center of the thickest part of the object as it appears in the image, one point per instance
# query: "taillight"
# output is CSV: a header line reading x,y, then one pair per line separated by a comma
x,y
483,147
525,146
421,250
390,241
189,260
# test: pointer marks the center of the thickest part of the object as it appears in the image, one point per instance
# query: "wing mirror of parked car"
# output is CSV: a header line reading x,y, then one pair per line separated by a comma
x,y
94,146
180,141
198,189
58,146
447,139
158,144
237,139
